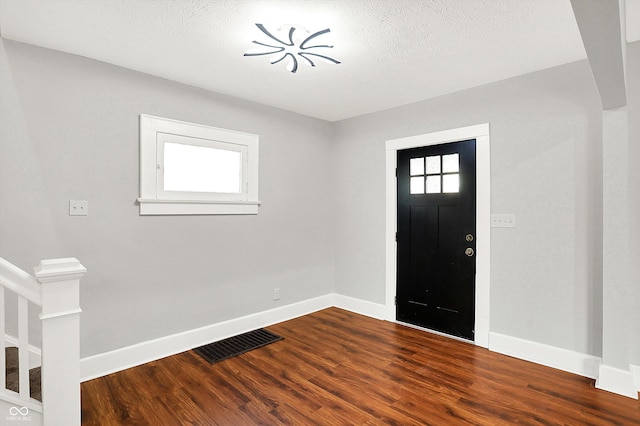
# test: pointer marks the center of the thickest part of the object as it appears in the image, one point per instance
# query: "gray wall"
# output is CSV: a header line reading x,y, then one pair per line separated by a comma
x,y
70,131
633,99
546,274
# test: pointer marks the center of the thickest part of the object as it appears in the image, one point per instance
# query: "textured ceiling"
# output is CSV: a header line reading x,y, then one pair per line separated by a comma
x,y
393,52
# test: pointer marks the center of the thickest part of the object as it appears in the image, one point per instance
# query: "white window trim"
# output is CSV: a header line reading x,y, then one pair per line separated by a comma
x,y
154,201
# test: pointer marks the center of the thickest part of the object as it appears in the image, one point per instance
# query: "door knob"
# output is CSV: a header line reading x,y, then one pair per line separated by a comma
x,y
469,237
469,251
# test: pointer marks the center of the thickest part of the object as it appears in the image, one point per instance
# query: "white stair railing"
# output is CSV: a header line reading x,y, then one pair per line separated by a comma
x,y
55,289
27,289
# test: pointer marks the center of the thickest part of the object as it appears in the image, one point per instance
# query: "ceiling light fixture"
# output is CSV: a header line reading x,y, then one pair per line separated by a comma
x,y
291,43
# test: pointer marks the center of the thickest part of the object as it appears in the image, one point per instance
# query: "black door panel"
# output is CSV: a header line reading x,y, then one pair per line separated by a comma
x,y
436,256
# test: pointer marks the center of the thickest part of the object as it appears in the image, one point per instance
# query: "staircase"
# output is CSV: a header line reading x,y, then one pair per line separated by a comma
x,y
13,378
41,381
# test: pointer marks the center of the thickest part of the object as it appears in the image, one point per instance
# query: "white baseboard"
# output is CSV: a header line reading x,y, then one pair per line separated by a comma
x,y
617,381
359,306
131,356
550,356
635,371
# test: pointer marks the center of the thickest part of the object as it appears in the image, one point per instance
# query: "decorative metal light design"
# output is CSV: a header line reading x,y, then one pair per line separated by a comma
x,y
293,44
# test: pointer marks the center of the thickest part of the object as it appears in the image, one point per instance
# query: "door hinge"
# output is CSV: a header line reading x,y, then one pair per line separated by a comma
x,y
396,237
396,172
395,300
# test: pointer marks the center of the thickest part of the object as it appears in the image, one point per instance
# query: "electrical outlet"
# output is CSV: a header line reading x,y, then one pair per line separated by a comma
x,y
78,208
276,294
503,220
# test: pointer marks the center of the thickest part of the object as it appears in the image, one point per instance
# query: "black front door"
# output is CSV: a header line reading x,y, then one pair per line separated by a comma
x,y
436,237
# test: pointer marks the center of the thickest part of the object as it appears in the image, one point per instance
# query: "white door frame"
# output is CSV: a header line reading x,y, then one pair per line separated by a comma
x,y
480,133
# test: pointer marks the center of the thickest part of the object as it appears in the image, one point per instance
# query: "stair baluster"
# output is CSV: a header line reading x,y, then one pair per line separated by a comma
x,y
23,347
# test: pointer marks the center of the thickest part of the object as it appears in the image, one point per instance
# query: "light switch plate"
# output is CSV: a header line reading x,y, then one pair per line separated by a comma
x,y
78,208
503,220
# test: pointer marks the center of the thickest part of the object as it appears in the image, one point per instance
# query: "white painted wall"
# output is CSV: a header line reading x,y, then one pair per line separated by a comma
x,y
545,168
69,130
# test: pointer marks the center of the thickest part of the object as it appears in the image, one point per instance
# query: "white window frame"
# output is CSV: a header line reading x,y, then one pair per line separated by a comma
x,y
154,200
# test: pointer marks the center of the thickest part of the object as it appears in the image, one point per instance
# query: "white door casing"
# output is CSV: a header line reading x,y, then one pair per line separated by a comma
x,y
480,133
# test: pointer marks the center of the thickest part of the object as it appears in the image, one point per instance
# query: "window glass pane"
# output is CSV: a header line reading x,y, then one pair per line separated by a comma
x,y
416,166
451,183
433,164
193,168
433,184
450,163
417,185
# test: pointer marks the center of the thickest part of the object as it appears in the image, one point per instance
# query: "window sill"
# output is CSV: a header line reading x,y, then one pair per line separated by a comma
x,y
151,206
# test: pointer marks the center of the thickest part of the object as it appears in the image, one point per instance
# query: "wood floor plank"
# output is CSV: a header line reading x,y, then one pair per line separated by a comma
x,y
335,367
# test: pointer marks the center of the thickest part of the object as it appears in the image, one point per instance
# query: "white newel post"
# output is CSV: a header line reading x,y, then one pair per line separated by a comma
x,y
60,280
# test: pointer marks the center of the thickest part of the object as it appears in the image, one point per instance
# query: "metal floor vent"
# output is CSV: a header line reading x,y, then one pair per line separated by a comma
x,y
236,345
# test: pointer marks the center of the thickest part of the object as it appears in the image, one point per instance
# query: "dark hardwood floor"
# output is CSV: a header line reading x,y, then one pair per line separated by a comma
x,y
338,368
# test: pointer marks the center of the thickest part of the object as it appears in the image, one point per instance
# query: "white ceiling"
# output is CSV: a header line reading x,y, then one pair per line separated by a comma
x,y
393,52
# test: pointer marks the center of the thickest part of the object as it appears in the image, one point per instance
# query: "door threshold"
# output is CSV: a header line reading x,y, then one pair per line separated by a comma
x,y
439,333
